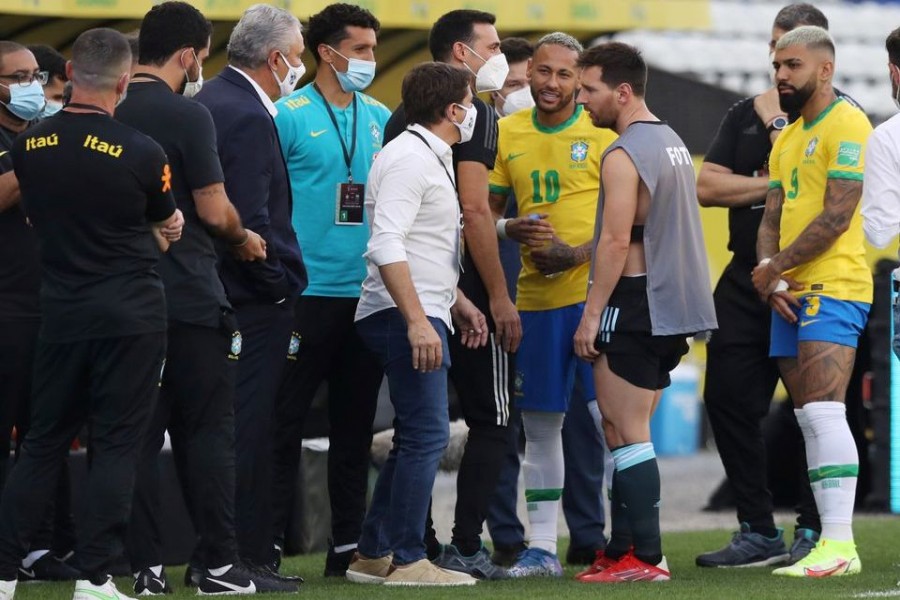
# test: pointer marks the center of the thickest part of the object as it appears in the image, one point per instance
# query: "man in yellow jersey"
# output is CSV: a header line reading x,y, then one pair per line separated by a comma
x,y
813,274
549,157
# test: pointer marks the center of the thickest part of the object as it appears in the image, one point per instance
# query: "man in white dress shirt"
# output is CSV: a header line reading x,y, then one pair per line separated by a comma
x,y
881,187
404,316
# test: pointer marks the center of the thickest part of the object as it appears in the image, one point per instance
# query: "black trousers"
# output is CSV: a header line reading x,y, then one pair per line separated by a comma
x,y
17,350
740,381
483,379
326,347
265,337
112,385
196,405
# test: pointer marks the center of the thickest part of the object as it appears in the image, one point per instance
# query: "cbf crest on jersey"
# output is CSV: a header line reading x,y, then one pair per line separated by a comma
x,y
579,151
237,343
811,147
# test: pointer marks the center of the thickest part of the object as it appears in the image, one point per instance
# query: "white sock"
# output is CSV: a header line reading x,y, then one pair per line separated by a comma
x,y
812,452
33,557
838,468
543,470
345,548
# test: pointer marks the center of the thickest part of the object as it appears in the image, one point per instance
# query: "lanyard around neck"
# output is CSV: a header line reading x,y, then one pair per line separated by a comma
x,y
443,166
348,156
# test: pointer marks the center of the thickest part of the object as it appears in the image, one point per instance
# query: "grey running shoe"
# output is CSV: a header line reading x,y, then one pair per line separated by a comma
x,y
478,565
536,562
747,549
804,541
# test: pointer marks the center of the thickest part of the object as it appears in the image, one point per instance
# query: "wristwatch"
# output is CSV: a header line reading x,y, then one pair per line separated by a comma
x,y
778,123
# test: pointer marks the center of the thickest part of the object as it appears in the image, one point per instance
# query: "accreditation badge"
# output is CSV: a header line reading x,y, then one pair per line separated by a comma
x,y
349,203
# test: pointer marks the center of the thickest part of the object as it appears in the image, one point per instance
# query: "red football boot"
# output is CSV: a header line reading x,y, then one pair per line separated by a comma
x,y
601,563
630,568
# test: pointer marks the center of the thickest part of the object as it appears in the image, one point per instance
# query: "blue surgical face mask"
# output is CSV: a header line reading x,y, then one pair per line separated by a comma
x,y
26,102
359,75
51,108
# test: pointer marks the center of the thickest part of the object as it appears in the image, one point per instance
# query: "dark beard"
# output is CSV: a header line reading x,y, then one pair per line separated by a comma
x,y
793,103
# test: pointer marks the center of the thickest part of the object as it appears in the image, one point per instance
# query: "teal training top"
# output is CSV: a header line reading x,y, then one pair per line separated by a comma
x,y
315,161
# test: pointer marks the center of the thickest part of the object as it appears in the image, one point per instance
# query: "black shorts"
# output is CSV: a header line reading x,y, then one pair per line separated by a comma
x,y
632,351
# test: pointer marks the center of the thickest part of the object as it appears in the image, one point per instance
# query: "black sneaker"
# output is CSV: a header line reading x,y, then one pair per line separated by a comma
x,y
147,583
506,555
583,555
747,549
242,579
478,565
49,568
336,563
804,541
193,574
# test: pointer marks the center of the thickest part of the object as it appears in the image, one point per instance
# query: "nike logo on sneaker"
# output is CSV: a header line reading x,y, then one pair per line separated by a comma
x,y
316,134
840,567
250,588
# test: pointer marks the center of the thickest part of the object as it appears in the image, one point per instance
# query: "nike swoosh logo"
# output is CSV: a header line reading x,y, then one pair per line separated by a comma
x,y
512,157
316,134
4,152
240,589
810,322
838,568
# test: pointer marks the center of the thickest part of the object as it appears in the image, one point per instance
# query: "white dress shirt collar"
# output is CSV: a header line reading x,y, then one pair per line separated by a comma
x,y
437,145
267,102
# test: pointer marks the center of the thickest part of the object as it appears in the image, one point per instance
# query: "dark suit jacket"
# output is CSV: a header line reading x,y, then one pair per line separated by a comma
x,y
256,181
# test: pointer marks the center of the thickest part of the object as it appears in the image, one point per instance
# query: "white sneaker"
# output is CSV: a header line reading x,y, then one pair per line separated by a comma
x,y
85,590
7,589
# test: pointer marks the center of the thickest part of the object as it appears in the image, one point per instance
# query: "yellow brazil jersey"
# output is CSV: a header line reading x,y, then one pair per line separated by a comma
x,y
553,171
803,158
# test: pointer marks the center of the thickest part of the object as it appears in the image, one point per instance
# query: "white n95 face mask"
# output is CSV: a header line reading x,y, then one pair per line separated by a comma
x,y
467,127
492,74
517,100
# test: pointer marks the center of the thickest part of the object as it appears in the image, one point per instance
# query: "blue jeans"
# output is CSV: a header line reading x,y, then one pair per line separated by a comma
x,y
582,499
396,518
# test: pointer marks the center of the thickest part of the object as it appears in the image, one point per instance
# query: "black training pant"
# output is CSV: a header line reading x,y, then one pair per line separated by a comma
x,y
326,347
17,349
740,381
265,334
112,385
483,380
196,405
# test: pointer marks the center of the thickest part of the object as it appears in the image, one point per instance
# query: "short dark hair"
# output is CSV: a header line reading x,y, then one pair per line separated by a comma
x,y
329,26
48,59
7,47
455,26
427,90
99,57
171,26
892,43
134,41
620,63
794,15
516,49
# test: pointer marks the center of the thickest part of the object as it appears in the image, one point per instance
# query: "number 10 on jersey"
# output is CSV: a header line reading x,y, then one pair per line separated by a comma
x,y
550,181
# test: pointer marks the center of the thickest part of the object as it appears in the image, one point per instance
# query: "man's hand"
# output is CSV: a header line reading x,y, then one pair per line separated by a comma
x,y
427,350
533,230
172,231
585,336
555,257
781,302
767,106
509,325
254,248
765,278
471,322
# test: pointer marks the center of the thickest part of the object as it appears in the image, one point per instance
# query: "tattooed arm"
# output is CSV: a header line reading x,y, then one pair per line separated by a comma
x,y
841,198
769,234
559,256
